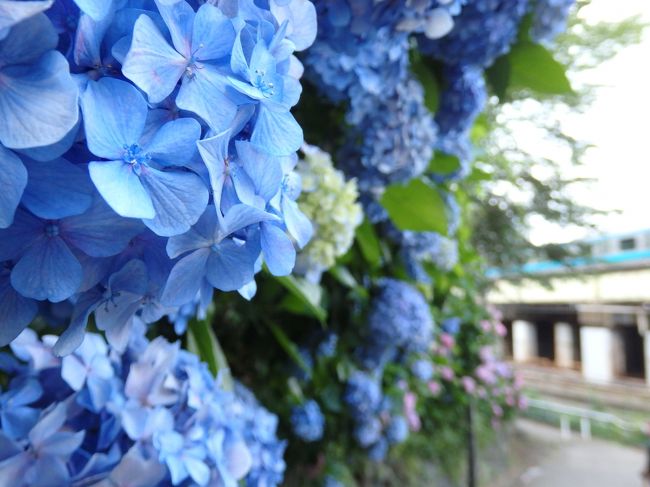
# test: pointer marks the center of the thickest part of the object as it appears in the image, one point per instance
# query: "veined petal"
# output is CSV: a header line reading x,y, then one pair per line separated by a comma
x,y
11,13
38,103
179,199
214,152
48,270
114,116
301,15
185,279
56,189
96,9
265,171
213,34
122,189
179,18
151,63
100,232
240,216
230,266
175,143
278,250
298,225
14,240
204,94
16,312
201,235
276,132
13,179
28,40
88,39
73,336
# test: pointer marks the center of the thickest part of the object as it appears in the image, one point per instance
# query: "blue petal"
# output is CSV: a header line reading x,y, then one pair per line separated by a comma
x,y
11,13
204,94
48,270
179,199
13,179
14,240
265,171
16,312
17,421
57,189
131,278
301,15
122,189
241,216
28,40
202,234
276,132
279,253
198,470
179,17
151,63
100,232
97,9
298,225
175,143
114,116
185,279
42,97
214,152
88,40
52,151
230,266
214,32
73,336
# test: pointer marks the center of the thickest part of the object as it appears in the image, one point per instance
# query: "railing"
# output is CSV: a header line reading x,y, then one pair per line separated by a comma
x,y
586,416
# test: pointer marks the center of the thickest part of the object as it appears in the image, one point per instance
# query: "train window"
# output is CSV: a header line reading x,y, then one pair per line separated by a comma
x,y
627,244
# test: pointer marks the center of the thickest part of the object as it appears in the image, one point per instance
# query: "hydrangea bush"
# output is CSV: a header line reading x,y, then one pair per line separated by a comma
x,y
149,156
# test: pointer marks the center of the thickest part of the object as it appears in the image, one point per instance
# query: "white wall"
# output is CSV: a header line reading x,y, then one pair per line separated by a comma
x,y
596,346
563,345
524,341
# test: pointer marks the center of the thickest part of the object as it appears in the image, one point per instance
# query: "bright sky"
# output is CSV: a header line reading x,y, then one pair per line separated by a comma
x,y
618,124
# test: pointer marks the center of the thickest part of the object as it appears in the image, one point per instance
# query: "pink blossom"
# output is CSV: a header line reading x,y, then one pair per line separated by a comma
x,y
523,403
447,373
447,340
497,410
469,384
500,329
412,418
486,326
434,388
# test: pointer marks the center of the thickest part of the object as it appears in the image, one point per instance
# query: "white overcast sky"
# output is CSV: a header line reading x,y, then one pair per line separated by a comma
x,y
618,124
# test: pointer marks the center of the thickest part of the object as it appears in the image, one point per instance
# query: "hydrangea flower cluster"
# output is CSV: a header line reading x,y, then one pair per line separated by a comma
x,y
307,421
147,156
549,19
150,416
330,203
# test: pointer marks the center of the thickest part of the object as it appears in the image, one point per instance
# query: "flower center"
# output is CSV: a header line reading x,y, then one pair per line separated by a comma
x,y
266,87
135,156
52,230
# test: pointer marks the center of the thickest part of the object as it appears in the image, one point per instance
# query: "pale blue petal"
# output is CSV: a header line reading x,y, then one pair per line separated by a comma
x,y
301,15
73,336
13,179
185,279
214,152
28,40
230,266
213,32
151,63
204,94
11,13
175,143
53,151
276,132
131,278
96,9
179,17
179,199
17,421
100,232
122,189
16,312
74,372
265,171
88,40
57,189
279,253
38,103
241,216
298,225
114,116
48,270
248,291
198,470
201,235
14,240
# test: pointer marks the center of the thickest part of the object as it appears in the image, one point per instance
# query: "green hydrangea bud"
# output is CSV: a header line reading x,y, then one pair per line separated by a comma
x,y
330,202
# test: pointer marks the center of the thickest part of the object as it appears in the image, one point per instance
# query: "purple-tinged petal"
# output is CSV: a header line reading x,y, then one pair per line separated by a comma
x,y
96,9
151,63
48,270
185,279
12,13
122,189
13,179
277,247
179,17
56,189
88,40
38,103
175,143
179,199
114,116
100,232
230,266
203,93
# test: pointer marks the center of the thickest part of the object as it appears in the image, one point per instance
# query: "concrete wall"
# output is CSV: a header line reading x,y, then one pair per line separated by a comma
x,y
596,348
524,341
564,345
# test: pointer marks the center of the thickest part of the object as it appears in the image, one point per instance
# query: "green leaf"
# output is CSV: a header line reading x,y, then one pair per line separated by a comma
x,y
287,344
533,66
345,277
415,206
498,75
202,341
428,80
369,243
308,293
444,163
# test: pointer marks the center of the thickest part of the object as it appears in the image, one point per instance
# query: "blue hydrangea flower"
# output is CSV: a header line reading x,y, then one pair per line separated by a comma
x,y
307,421
367,431
362,394
549,19
397,430
422,369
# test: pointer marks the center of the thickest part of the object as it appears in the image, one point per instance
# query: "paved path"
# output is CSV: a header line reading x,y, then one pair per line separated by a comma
x,y
578,463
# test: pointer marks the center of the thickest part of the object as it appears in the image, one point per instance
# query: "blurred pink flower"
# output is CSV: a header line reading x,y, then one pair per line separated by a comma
x,y
434,388
412,418
469,384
